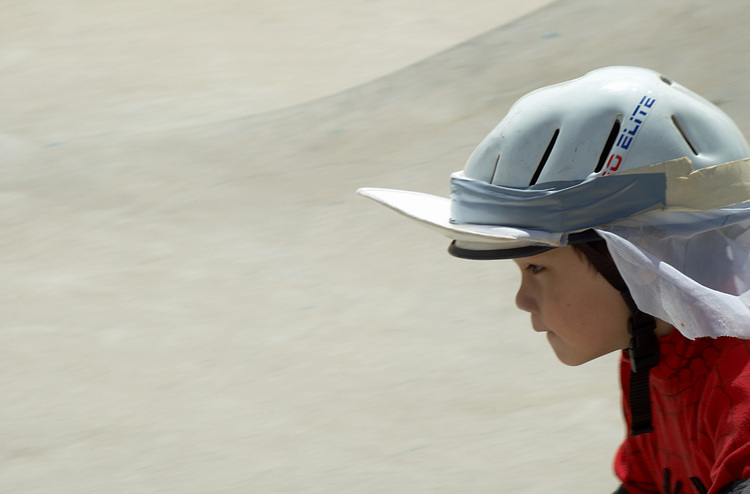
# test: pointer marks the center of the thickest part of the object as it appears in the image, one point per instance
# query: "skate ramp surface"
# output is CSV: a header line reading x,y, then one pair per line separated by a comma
x,y
203,304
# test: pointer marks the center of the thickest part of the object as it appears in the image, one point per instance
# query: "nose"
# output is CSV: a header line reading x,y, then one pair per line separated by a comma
x,y
525,299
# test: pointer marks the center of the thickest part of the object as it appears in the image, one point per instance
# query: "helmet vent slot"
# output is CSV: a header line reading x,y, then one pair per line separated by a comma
x,y
494,170
608,145
684,136
543,162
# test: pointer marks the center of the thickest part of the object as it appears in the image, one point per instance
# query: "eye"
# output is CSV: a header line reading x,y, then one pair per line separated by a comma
x,y
534,268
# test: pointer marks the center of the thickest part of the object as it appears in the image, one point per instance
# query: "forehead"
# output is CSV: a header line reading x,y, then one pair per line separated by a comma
x,y
547,257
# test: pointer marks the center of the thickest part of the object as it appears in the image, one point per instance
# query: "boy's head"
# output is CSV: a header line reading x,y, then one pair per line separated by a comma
x,y
610,155
625,155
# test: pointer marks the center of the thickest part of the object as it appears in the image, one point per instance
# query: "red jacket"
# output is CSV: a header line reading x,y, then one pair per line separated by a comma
x,y
700,401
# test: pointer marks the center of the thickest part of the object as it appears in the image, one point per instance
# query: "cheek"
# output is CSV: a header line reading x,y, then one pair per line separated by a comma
x,y
597,317
606,322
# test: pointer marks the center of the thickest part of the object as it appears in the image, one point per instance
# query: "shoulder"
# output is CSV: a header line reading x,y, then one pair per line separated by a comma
x,y
724,358
730,360
725,407
725,404
694,362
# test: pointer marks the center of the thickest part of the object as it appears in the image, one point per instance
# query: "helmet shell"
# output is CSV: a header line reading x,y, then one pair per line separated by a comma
x,y
610,120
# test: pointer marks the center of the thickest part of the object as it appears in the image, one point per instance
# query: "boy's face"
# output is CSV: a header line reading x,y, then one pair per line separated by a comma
x,y
583,315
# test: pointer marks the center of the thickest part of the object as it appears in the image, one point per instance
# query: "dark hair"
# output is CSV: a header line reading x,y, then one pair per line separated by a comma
x,y
598,256
598,246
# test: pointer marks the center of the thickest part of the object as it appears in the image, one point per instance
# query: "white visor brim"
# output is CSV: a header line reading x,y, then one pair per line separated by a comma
x,y
434,213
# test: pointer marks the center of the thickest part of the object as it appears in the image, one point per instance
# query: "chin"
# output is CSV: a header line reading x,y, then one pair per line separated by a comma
x,y
564,355
573,362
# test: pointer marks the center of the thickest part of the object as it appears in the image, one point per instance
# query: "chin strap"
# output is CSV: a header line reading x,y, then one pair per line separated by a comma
x,y
644,345
644,355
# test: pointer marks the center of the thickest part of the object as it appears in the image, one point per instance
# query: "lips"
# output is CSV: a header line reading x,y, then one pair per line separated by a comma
x,y
538,327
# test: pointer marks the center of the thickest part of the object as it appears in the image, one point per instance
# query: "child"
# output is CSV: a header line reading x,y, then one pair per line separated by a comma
x,y
625,200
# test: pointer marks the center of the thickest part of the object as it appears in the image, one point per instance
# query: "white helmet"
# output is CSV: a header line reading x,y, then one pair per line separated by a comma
x,y
537,178
610,120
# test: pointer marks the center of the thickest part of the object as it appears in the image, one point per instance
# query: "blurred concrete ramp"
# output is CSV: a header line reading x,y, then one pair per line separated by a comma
x,y
207,306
